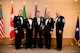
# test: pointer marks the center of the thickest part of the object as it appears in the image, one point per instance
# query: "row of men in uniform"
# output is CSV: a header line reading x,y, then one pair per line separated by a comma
x,y
40,24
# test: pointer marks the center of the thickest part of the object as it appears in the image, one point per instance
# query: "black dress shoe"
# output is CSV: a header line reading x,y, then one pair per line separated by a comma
x,y
25,47
34,47
55,48
58,49
48,47
30,47
40,47
17,48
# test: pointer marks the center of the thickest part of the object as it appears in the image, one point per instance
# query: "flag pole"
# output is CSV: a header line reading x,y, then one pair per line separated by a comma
x,y
79,29
2,34
12,2
24,14
45,11
35,7
23,2
11,15
24,10
45,6
78,13
10,45
36,2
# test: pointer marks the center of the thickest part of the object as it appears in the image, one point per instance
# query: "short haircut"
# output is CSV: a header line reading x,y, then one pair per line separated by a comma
x,y
20,10
48,12
58,11
28,13
38,11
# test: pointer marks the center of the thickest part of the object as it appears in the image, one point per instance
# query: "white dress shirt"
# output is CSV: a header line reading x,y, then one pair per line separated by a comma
x,y
56,20
38,20
46,21
21,20
30,22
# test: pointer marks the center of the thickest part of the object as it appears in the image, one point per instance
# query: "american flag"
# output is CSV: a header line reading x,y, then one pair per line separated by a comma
x,y
1,24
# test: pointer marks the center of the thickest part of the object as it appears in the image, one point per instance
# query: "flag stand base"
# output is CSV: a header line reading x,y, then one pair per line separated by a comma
x,y
10,45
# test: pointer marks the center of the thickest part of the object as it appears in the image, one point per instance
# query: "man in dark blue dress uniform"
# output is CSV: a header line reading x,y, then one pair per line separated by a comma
x,y
18,25
60,21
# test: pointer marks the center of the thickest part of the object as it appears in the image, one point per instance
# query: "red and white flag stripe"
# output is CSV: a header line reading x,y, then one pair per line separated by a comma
x,y
1,28
12,24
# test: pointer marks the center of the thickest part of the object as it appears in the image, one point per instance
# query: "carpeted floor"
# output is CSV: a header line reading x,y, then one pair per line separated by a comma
x,y
66,49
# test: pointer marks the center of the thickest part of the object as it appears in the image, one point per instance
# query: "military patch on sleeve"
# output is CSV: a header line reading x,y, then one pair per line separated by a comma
x,y
63,20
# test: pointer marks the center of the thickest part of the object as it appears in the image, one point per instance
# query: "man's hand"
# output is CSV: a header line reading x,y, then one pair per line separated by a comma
x,y
42,27
60,31
24,32
51,32
16,31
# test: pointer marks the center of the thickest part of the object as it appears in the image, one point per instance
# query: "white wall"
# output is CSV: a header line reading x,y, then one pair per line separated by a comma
x,y
68,9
